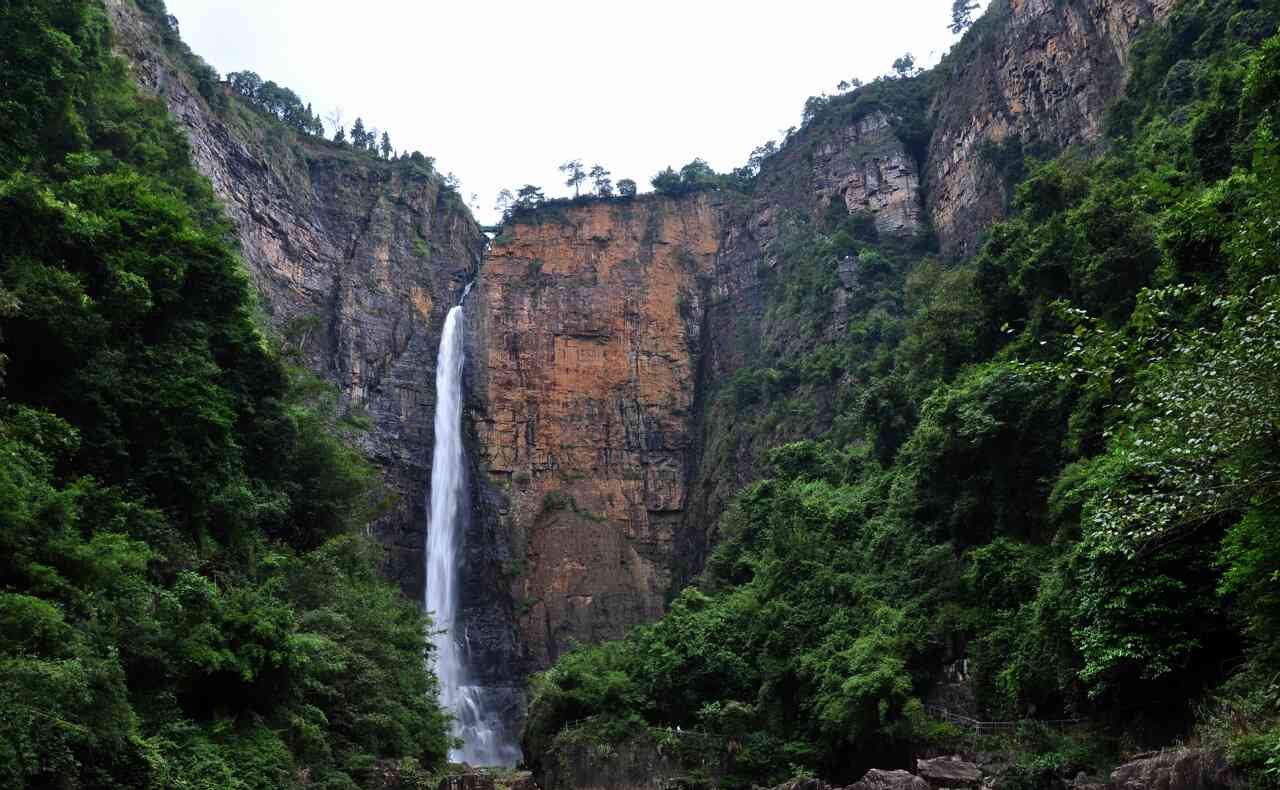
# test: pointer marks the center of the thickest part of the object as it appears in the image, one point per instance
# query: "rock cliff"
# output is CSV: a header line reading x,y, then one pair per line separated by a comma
x,y
585,338
1033,75
356,261
597,332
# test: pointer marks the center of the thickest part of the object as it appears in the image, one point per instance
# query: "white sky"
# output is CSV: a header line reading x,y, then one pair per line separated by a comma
x,y
502,92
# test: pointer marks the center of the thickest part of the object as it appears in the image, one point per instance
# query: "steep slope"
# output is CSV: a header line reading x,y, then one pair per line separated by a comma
x,y
622,355
355,260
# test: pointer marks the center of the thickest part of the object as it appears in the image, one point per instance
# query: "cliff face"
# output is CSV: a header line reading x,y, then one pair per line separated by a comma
x,y
597,333
1041,71
585,340
356,262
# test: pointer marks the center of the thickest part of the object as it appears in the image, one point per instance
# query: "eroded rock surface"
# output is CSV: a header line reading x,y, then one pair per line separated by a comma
x,y
586,336
1044,71
949,772
1176,769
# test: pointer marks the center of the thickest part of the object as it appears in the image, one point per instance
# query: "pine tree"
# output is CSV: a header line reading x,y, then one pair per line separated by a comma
x,y
386,146
576,175
961,15
600,178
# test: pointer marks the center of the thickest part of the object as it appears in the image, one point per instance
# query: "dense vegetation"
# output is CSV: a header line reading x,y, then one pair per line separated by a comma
x,y
183,600
1057,459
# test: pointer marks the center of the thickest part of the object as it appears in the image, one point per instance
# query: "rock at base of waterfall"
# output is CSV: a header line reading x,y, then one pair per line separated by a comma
x,y
949,772
487,779
878,779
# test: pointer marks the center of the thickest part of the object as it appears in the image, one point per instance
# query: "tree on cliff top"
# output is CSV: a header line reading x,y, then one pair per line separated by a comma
x,y
600,178
961,15
529,197
576,175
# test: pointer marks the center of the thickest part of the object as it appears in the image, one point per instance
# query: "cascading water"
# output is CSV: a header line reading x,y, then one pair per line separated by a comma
x,y
476,722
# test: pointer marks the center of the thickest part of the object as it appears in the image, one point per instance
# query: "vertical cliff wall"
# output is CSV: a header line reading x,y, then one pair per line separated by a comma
x,y
356,262
1040,71
585,345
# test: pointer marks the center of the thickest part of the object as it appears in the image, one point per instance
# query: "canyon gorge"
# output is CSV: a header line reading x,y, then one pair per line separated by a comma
x,y
599,333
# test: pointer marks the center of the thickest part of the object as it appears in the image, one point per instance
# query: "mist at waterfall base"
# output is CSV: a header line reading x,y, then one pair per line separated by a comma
x,y
477,723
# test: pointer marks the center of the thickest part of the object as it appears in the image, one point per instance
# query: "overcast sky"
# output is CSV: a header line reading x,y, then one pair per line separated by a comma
x,y
503,92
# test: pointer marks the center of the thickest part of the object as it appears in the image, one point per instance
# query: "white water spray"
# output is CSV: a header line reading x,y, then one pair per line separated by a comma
x,y
475,722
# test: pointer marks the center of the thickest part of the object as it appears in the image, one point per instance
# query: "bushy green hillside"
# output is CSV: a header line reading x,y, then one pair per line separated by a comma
x,y
183,602
1058,458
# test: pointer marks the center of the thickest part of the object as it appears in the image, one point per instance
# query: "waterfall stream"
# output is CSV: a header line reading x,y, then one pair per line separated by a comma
x,y
476,721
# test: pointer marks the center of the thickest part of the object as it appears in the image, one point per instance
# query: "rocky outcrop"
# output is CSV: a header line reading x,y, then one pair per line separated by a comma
x,y
1033,72
356,261
640,763
859,164
597,331
877,779
1176,769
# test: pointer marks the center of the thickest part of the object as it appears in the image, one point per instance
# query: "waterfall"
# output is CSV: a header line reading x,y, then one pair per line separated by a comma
x,y
476,720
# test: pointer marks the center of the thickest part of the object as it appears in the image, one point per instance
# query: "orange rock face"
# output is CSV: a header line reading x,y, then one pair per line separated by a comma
x,y
586,332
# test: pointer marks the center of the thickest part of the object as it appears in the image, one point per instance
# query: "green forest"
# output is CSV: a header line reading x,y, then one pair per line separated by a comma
x,y
1057,458
184,601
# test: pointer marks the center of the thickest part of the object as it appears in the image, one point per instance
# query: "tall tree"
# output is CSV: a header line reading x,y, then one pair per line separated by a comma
x,y
961,15
529,197
504,201
575,174
600,178
359,137
386,146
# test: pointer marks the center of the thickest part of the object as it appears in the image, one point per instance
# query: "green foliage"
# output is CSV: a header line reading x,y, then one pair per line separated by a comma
x,y
693,177
182,600
276,101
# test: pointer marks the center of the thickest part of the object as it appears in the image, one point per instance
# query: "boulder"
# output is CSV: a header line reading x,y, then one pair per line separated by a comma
x,y
1176,769
877,779
949,772
467,781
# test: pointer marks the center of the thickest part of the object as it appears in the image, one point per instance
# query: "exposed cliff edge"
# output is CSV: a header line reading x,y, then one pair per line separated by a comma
x,y
356,261
586,345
